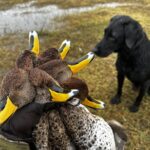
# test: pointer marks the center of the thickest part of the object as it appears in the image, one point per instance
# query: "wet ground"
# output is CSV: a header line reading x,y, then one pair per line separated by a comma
x,y
5,145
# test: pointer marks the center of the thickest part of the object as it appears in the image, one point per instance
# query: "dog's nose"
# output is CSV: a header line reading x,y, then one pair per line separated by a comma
x,y
94,50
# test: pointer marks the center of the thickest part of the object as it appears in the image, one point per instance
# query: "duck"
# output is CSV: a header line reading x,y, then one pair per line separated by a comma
x,y
89,131
23,82
38,77
19,88
15,84
76,86
74,126
53,54
49,125
20,125
63,127
18,109
52,62
49,54
108,127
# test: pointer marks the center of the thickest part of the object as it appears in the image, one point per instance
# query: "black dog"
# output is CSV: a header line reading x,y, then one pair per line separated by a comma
x,y
126,37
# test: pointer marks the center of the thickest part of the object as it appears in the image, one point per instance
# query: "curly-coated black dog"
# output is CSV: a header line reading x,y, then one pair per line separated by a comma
x,y
126,37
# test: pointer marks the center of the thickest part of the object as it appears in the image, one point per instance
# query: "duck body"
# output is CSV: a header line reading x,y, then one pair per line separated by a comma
x,y
51,62
51,134
19,127
72,128
48,55
88,131
75,128
42,130
21,124
65,127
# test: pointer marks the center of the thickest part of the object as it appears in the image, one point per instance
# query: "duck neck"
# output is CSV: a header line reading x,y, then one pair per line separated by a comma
x,y
19,127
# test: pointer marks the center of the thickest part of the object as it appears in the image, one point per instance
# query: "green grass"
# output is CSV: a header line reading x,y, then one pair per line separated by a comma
x,y
85,30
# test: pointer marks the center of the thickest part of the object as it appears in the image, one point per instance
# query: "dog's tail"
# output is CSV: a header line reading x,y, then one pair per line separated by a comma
x,y
119,134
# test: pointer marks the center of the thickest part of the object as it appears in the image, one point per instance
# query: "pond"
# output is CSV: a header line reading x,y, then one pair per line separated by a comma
x,y
5,145
26,17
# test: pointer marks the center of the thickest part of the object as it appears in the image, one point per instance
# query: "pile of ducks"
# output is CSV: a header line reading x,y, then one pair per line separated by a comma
x,y
43,104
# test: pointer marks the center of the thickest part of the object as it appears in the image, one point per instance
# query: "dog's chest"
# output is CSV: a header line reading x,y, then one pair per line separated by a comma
x,y
131,69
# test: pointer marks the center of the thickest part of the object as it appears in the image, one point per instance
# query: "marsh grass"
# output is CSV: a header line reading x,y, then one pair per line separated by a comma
x,y
5,4
85,30
79,3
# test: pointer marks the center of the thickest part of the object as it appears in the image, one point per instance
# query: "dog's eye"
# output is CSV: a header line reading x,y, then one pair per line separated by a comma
x,y
112,38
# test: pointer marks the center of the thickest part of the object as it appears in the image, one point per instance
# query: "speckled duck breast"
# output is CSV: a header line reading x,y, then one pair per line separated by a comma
x,y
76,125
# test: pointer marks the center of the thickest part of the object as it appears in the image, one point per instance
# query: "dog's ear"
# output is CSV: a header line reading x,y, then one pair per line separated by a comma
x,y
133,33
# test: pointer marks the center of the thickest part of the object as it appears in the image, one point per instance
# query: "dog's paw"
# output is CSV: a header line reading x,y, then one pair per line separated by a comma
x,y
148,92
133,108
115,100
135,87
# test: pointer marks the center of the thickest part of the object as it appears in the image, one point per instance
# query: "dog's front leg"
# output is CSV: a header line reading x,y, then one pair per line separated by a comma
x,y
136,104
117,98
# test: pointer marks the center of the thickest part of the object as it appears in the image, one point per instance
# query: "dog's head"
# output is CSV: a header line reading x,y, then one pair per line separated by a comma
x,y
122,33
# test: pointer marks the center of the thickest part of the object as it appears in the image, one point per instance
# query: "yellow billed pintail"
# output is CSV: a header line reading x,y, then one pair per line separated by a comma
x,y
52,63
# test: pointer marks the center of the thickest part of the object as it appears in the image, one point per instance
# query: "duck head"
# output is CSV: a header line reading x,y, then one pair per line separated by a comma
x,y
64,48
34,42
48,55
62,70
26,60
59,70
7,108
17,91
81,63
18,85
83,94
61,53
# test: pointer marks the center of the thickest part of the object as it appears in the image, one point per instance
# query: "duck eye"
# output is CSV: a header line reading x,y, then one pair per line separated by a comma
x,y
18,87
2,105
112,38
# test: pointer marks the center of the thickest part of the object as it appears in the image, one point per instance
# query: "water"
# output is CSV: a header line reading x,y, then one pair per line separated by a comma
x,y
4,145
26,17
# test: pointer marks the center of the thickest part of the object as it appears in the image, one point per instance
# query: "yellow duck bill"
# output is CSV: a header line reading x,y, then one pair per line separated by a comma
x,y
7,111
62,97
92,103
64,48
81,63
34,42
